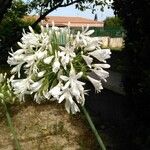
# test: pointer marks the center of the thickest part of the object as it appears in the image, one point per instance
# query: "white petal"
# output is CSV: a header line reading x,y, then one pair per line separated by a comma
x,y
98,66
56,66
62,97
40,55
20,44
88,60
30,28
102,74
89,32
97,84
64,78
36,86
72,71
62,48
56,91
41,74
18,52
101,54
48,59
90,48
79,75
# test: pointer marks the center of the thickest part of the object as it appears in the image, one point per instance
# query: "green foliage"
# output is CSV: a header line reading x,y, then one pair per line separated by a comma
x,y
41,6
12,20
112,27
18,10
6,92
113,22
135,15
11,28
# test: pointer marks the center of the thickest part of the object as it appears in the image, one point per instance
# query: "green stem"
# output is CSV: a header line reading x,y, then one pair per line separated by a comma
x,y
11,127
99,140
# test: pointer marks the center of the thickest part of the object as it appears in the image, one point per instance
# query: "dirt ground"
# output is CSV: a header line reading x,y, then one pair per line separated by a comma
x,y
46,127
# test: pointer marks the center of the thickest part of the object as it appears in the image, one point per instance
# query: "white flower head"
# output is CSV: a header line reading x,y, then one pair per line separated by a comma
x,y
54,62
96,83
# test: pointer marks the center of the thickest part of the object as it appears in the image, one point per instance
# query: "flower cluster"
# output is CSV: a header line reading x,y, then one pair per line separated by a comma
x,y
6,91
55,64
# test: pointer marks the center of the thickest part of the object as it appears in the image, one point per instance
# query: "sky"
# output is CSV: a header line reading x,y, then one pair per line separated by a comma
x,y
71,11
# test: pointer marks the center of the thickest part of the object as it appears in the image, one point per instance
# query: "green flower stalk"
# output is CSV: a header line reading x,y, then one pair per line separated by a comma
x,y
99,140
7,96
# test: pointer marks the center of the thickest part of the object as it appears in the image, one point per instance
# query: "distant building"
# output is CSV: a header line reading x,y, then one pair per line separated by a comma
x,y
74,22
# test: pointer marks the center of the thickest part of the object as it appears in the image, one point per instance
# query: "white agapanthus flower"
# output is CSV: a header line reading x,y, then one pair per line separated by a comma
x,y
55,62
67,54
88,60
35,86
101,54
70,105
96,83
75,86
22,86
56,91
30,39
102,74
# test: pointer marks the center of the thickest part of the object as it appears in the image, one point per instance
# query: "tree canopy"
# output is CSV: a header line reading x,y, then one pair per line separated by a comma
x,y
113,22
44,7
11,27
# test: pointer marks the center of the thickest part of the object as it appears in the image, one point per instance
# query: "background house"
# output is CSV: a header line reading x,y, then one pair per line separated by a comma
x,y
74,22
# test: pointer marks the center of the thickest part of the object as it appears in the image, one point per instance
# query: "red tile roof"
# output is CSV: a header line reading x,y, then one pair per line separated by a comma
x,y
74,21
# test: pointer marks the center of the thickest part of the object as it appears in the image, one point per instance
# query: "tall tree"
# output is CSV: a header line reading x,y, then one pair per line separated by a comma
x,y
11,27
44,7
135,15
